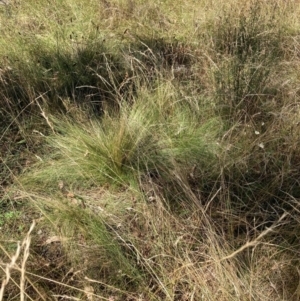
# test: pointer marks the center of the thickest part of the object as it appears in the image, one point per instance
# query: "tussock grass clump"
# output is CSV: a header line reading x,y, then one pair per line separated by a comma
x,y
247,45
154,135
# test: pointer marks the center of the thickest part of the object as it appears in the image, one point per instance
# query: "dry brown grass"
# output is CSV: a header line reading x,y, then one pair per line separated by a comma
x,y
159,144
13,265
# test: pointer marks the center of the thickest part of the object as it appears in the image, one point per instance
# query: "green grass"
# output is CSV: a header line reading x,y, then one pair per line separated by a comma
x,y
154,134
155,145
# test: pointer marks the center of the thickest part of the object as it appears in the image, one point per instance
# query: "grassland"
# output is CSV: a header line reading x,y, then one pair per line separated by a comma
x,y
150,151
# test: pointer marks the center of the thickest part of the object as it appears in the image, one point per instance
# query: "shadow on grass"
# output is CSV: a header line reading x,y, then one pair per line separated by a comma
x,y
90,76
